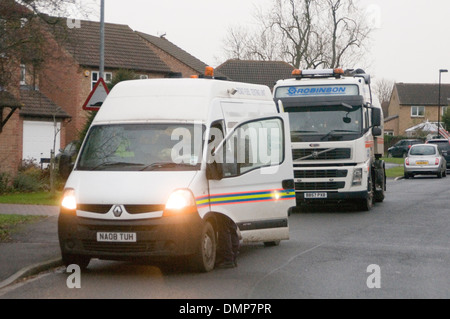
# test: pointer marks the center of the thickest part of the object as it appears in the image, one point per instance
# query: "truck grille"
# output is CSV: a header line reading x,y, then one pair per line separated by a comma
x,y
321,154
314,186
322,173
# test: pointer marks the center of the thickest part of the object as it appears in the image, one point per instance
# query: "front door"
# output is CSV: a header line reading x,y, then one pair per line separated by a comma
x,y
256,190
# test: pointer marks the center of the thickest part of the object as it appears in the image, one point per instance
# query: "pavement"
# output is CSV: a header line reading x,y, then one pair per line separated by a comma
x,y
33,248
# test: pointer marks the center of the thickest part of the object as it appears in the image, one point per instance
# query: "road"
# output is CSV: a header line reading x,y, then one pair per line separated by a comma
x,y
400,249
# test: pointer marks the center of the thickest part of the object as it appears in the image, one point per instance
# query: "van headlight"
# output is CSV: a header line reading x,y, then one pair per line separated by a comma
x,y
69,201
180,201
357,177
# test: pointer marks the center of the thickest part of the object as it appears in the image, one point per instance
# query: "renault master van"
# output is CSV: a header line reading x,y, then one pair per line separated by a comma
x,y
165,160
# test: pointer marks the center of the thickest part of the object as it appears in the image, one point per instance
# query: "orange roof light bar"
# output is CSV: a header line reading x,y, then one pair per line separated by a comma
x,y
297,72
209,71
338,71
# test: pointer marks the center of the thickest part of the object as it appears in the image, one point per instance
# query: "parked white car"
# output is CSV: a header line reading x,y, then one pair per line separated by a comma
x,y
425,159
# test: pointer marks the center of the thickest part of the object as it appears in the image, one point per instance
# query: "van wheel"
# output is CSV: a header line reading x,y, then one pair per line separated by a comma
x,y
272,243
205,258
81,261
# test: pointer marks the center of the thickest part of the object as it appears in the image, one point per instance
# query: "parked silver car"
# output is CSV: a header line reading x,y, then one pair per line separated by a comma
x,y
425,159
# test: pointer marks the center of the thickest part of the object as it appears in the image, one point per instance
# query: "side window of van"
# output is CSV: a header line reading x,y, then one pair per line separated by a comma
x,y
254,145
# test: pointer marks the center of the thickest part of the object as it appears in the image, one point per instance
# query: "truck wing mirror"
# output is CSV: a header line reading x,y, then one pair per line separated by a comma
x,y
376,131
376,117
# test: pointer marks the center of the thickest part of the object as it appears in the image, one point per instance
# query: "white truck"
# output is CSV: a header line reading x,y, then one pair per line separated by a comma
x,y
337,136
166,160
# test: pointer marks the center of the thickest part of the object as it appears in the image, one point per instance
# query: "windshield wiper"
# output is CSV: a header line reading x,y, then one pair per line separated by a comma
x,y
305,131
337,131
112,164
160,165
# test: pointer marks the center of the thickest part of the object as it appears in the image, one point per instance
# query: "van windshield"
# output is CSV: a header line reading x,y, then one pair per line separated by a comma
x,y
142,147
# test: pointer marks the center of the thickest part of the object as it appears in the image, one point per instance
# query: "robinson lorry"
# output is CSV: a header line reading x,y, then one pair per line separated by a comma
x,y
166,160
337,136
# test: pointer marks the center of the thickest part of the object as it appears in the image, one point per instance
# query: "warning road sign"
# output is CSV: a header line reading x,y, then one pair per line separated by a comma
x,y
97,96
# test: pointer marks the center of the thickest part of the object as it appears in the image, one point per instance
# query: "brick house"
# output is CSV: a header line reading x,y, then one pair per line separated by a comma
x,y
52,97
178,60
256,72
69,79
414,103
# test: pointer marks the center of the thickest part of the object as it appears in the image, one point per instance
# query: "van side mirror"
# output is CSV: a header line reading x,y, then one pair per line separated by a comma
x,y
214,171
65,166
376,117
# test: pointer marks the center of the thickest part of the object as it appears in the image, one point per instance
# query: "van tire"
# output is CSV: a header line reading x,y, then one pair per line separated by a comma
x,y
271,243
205,258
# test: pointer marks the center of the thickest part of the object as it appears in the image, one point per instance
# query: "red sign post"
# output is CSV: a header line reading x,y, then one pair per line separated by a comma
x,y
97,96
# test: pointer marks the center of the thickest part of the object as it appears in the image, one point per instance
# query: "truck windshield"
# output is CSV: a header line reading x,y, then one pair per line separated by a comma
x,y
327,123
142,147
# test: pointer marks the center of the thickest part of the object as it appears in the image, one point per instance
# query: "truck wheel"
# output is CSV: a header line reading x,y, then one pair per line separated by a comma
x,y
205,258
81,261
367,203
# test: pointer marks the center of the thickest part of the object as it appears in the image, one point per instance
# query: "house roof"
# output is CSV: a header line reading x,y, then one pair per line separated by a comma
x,y
8,100
175,51
257,72
36,104
123,48
422,94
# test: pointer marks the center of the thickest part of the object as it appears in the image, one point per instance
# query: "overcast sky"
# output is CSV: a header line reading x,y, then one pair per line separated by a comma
x,y
410,44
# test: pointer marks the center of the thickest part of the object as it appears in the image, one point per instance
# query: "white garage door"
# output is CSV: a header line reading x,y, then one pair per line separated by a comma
x,y
38,139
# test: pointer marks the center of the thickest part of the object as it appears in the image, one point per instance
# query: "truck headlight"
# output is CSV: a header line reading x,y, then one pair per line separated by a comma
x,y
69,201
357,177
180,201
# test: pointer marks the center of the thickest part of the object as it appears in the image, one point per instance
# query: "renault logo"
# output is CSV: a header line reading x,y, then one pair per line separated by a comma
x,y
117,211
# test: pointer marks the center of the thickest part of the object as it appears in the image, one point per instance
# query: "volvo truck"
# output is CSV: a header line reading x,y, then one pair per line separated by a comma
x,y
337,136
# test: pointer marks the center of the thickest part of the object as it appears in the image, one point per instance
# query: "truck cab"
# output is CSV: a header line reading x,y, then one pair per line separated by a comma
x,y
166,160
337,136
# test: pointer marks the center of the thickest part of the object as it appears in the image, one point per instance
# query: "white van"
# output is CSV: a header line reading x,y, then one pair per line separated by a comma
x,y
148,183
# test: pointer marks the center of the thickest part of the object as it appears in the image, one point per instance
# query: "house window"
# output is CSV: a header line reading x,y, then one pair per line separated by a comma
x,y
444,110
389,133
417,111
23,74
95,76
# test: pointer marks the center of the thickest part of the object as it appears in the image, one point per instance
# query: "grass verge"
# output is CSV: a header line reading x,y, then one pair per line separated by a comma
x,y
9,223
39,198
394,171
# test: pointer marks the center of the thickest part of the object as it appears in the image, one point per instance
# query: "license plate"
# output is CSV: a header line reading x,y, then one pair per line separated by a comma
x,y
422,163
316,195
116,237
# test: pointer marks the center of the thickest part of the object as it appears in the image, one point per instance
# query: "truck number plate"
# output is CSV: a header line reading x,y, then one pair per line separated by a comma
x,y
116,237
316,195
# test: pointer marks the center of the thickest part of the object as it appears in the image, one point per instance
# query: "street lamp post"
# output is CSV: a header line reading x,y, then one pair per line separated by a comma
x,y
439,103
102,38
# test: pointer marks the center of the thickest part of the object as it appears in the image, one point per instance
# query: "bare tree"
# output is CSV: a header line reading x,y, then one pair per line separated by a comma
x,y
306,34
383,89
24,27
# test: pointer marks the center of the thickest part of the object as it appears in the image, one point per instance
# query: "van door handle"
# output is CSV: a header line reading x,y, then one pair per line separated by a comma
x,y
288,184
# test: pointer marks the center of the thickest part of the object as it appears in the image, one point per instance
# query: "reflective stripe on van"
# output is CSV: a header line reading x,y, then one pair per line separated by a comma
x,y
241,197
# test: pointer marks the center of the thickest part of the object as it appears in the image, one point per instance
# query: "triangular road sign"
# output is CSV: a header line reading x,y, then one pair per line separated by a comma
x,y
97,96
